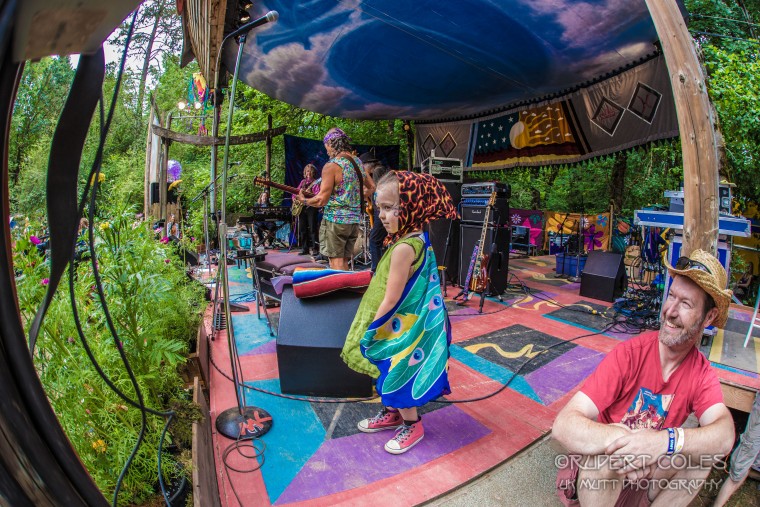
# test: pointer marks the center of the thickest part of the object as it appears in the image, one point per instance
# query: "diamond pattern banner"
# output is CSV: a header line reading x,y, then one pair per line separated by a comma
x,y
632,108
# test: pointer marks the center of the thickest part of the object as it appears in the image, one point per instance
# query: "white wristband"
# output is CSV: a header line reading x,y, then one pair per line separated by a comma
x,y
679,440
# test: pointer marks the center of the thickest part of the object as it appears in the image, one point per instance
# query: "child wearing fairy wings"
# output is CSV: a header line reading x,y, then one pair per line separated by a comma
x,y
401,332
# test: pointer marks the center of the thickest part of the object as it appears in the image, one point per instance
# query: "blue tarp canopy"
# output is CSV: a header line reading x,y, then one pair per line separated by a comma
x,y
433,59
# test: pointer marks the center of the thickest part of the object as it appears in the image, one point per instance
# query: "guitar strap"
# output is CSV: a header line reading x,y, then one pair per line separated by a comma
x,y
361,184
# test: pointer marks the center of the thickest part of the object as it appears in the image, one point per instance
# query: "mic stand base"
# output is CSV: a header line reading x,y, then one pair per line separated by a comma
x,y
245,424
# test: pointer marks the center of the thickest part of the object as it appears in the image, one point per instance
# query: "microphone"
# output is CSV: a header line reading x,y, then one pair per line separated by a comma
x,y
267,18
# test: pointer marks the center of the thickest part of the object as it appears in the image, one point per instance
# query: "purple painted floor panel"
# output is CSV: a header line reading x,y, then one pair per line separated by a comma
x,y
358,460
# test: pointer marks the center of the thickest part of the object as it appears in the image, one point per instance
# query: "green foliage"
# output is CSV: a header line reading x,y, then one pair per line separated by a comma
x,y
155,310
734,87
42,92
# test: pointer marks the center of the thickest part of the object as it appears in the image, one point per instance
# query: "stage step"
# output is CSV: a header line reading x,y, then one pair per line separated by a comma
x,y
754,323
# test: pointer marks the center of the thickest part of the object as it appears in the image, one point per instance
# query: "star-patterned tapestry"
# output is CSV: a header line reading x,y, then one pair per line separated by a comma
x,y
541,134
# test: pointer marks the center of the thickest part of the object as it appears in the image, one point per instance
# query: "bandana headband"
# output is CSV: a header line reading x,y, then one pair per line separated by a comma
x,y
422,198
335,133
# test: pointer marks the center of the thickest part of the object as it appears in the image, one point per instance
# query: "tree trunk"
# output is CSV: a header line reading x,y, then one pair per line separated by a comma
x,y
617,185
696,125
146,60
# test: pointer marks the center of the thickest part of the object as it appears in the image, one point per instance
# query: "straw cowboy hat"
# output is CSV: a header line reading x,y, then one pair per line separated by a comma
x,y
707,272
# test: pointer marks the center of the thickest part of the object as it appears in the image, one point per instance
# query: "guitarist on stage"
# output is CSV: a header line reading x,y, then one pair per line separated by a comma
x,y
339,194
308,218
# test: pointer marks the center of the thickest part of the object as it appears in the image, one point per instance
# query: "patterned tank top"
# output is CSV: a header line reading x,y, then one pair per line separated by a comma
x,y
344,204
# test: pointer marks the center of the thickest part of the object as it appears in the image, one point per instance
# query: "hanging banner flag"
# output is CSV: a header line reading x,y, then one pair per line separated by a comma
x,y
630,109
595,228
449,140
538,135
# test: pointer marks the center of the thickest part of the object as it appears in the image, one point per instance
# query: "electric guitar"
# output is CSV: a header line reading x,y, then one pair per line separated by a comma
x,y
296,206
480,271
478,260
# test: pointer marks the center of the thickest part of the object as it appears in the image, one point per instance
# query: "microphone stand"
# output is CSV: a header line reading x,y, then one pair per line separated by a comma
x,y
445,256
577,277
240,422
207,243
562,246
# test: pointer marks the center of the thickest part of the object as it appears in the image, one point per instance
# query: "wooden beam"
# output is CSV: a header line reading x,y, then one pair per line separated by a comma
x,y
148,160
205,485
216,141
737,397
699,142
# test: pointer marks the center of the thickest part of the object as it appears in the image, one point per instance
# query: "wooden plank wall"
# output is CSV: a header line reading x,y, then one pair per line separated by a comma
x,y
202,346
205,23
205,486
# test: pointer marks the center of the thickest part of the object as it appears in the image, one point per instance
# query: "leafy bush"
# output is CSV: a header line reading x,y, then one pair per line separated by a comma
x,y
155,309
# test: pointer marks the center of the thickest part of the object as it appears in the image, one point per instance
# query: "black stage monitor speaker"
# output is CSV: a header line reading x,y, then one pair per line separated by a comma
x,y
309,341
603,276
499,266
438,230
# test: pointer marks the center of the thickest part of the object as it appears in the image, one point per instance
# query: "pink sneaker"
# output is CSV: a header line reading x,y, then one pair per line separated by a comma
x,y
384,420
406,438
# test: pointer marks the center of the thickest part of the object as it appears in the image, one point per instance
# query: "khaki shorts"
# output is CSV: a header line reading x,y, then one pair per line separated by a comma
x,y
747,454
337,240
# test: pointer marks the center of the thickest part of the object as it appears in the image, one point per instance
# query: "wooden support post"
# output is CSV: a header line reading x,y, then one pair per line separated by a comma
x,y
148,160
163,168
699,142
268,159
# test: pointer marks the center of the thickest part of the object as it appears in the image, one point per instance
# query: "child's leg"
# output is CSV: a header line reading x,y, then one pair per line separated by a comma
x,y
409,414
408,435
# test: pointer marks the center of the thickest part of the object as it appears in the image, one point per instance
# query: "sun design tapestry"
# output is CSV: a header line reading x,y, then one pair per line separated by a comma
x,y
594,230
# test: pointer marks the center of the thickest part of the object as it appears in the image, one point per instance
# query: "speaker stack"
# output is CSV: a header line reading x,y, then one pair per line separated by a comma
x,y
475,197
441,230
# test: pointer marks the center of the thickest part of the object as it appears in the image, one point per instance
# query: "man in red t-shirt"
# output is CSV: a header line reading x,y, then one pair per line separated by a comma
x,y
623,427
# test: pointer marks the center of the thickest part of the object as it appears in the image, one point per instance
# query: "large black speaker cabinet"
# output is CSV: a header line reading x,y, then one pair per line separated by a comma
x,y
309,341
155,197
475,213
603,276
497,245
438,230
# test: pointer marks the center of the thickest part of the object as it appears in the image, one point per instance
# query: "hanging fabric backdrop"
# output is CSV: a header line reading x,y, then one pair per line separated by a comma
x,y
595,228
300,151
630,109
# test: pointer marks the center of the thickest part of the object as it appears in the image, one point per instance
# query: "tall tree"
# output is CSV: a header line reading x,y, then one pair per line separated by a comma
x,y
158,31
42,91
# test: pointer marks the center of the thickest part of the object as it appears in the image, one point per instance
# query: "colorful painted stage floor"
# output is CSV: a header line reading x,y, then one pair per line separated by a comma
x,y
315,456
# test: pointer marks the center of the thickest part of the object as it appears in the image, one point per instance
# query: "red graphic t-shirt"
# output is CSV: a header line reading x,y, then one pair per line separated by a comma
x,y
627,386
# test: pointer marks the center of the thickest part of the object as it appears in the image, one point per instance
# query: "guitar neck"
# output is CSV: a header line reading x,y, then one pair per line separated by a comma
x,y
279,186
482,244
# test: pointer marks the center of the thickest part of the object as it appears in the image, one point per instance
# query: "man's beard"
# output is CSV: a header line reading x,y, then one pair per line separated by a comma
x,y
668,338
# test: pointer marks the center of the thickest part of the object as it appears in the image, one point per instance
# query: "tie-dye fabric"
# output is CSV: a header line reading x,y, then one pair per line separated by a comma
x,y
410,344
422,198
344,206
